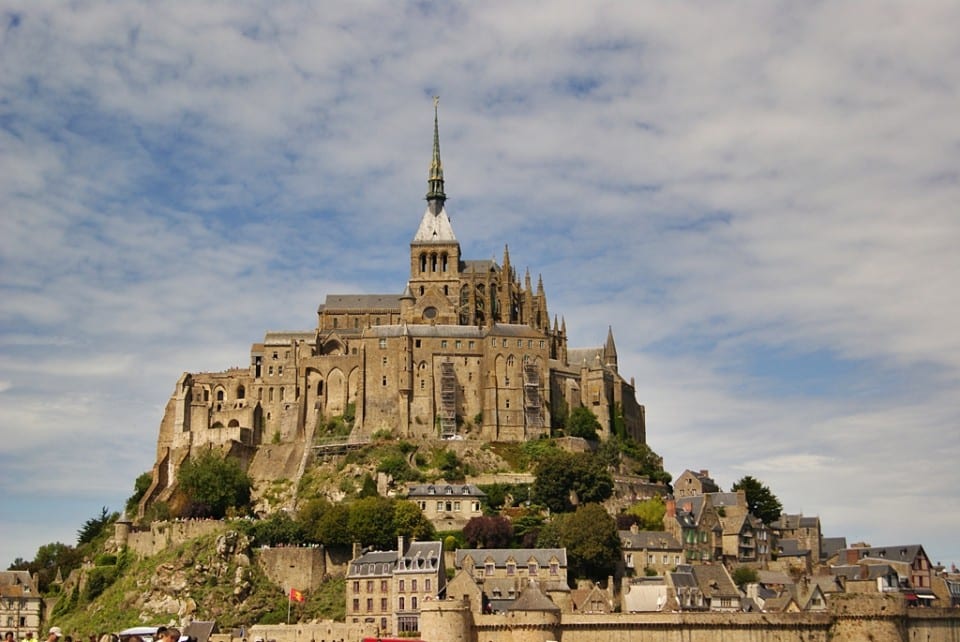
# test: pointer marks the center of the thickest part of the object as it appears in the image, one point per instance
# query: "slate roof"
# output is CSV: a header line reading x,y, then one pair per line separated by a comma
x,y
420,557
499,556
345,302
830,546
579,356
435,228
640,540
373,564
426,330
790,548
444,490
479,266
532,599
714,581
282,338
906,553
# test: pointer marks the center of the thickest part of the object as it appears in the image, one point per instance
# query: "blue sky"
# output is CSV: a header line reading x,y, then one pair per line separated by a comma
x,y
760,198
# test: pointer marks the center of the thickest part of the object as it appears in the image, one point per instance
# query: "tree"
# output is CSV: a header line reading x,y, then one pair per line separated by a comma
x,y
94,526
278,528
213,484
488,532
563,480
140,487
583,423
743,575
592,543
371,522
760,500
410,522
649,513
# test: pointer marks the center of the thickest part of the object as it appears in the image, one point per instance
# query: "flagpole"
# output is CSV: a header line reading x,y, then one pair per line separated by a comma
x,y
288,605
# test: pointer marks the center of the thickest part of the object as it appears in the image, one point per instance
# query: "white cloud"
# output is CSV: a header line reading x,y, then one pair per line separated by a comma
x,y
760,199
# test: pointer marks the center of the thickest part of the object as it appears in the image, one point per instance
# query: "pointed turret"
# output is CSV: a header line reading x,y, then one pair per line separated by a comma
x,y
435,195
610,350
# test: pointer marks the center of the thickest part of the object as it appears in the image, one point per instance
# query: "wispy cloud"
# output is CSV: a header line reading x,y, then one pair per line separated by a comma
x,y
760,199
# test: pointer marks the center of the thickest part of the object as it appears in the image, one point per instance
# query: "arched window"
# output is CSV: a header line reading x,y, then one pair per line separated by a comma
x,y
320,387
233,424
220,394
433,262
281,393
443,262
423,262
217,424
270,395
241,392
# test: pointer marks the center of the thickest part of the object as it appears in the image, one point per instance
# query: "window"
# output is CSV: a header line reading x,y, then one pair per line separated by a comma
x,y
356,605
554,568
423,384
493,342
413,585
382,343
532,568
416,343
541,343
281,393
511,568
356,323
426,585
439,507
519,343
383,586
383,604
489,568
369,586
471,344
456,506
279,370
270,370
475,507
443,343
383,382
275,354
401,586
504,343
384,361
413,602
356,587
402,603
369,604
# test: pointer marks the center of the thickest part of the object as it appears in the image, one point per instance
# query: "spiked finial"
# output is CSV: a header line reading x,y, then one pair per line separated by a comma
x,y
435,180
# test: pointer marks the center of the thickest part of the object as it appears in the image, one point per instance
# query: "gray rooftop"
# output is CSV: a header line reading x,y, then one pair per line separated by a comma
x,y
500,556
659,540
368,302
451,490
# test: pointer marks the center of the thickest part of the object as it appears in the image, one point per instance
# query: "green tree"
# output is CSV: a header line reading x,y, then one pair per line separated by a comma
x,y
592,543
563,480
371,522
278,528
213,484
583,423
649,513
140,487
760,499
743,575
333,528
410,522
94,526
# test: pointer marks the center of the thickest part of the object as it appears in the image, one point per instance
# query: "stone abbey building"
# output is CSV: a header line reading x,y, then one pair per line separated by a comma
x,y
466,350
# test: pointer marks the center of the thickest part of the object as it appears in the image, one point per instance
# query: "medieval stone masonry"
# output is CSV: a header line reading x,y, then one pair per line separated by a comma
x,y
466,350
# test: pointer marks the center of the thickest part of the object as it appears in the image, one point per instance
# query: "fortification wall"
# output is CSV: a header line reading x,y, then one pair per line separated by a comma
x,y
325,631
298,567
861,619
162,535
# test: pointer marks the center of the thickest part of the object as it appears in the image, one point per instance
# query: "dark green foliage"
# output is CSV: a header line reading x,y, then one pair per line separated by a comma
x,y
450,466
50,558
98,579
279,528
95,525
593,546
743,575
526,529
371,522
397,467
498,494
106,559
410,522
213,484
760,499
637,458
368,488
140,487
583,423
563,477
488,532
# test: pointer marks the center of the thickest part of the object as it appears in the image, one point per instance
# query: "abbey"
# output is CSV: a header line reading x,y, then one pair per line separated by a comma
x,y
466,350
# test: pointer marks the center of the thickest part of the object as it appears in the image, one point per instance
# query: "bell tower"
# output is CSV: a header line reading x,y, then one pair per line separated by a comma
x,y
435,252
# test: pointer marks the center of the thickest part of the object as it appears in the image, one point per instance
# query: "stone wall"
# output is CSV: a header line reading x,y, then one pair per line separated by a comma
x,y
298,567
162,535
860,619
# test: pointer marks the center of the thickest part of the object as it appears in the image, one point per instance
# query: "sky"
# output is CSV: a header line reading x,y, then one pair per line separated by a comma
x,y
761,199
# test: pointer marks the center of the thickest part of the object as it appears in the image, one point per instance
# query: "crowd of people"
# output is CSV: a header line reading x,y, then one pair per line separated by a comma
x,y
164,634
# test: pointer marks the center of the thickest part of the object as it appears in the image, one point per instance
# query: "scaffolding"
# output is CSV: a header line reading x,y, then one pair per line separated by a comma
x,y
532,405
448,400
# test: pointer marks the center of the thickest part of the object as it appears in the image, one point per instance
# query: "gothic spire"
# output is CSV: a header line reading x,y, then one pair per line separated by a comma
x,y
435,179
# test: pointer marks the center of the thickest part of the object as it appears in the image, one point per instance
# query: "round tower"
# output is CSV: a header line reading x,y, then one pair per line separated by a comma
x,y
446,621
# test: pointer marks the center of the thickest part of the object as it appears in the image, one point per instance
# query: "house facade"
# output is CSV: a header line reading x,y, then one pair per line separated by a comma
x,y
448,506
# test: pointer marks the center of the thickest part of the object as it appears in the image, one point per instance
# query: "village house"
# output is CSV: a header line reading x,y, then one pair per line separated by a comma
x,y
448,506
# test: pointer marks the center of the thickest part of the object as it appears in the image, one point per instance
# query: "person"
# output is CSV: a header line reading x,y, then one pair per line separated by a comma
x,y
31,637
9,637
168,634
55,634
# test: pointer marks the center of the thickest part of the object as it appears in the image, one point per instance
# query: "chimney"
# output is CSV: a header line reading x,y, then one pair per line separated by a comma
x,y
399,547
356,550
634,528
671,506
